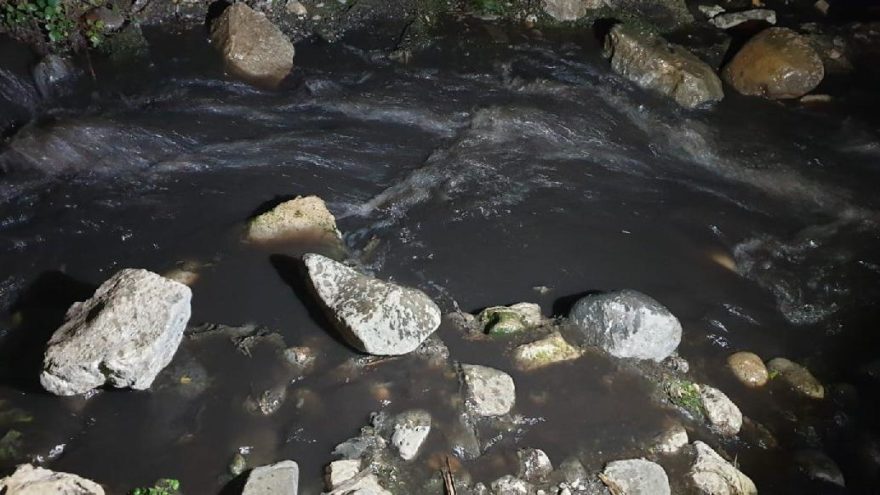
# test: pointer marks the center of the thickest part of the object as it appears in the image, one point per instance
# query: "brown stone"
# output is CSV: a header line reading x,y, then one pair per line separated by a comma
x,y
253,48
748,368
777,63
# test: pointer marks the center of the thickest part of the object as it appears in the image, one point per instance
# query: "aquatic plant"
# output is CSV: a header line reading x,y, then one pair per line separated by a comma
x,y
164,486
685,395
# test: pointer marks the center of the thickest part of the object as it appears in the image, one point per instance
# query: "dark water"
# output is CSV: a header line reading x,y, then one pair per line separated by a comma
x,y
477,173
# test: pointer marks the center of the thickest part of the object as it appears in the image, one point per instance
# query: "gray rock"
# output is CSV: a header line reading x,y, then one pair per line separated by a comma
x,y
281,478
364,483
123,336
252,47
534,465
653,63
671,440
338,472
721,412
627,324
109,19
816,465
506,320
410,430
510,485
728,20
374,316
488,392
712,475
636,477
569,10
54,76
30,480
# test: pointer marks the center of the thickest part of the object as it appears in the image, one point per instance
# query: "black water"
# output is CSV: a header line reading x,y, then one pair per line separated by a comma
x,y
477,173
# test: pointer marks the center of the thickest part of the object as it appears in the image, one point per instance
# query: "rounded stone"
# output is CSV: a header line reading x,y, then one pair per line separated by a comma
x,y
748,368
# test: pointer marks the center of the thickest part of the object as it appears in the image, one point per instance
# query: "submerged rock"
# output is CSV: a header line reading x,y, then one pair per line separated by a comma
x,y
534,465
54,76
252,47
123,336
300,218
627,324
797,377
410,430
671,440
732,19
816,465
30,480
544,352
281,478
748,368
721,412
776,63
487,391
511,485
506,320
712,475
569,10
636,477
374,316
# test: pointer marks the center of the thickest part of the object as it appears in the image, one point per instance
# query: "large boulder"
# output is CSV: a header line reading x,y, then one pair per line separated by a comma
x,y
252,47
569,10
711,474
636,477
122,336
376,317
653,63
776,63
30,480
281,478
626,324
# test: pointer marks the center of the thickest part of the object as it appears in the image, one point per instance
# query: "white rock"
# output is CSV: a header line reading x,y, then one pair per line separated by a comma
x,y
712,475
732,19
30,480
711,11
364,483
376,317
488,392
338,472
122,336
411,429
510,485
671,440
296,8
721,411
534,465
569,10
636,477
281,478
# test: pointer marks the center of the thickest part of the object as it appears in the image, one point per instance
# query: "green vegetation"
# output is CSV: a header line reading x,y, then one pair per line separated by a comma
x,y
50,15
490,7
685,395
164,486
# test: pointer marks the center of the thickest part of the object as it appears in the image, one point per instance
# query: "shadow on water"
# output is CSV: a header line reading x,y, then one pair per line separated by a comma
x,y
40,309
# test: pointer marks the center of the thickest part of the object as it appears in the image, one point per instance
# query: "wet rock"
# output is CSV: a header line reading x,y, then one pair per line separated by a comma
x,y
268,402
732,19
757,434
636,477
544,352
506,320
410,430
797,377
816,465
123,336
748,368
627,324
108,19
10,445
376,317
677,363
30,480
534,465
281,478
569,10
338,472
510,485
300,218
54,76
238,464
301,358
671,440
573,472
252,47
721,412
364,483
487,391
776,63
712,475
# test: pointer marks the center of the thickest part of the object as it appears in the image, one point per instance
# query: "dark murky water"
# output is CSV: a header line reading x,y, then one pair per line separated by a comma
x,y
477,173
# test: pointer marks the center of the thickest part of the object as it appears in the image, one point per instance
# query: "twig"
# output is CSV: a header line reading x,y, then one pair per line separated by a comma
x,y
448,479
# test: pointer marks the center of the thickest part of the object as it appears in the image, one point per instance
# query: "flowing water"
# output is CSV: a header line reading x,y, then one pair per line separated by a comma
x,y
477,173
